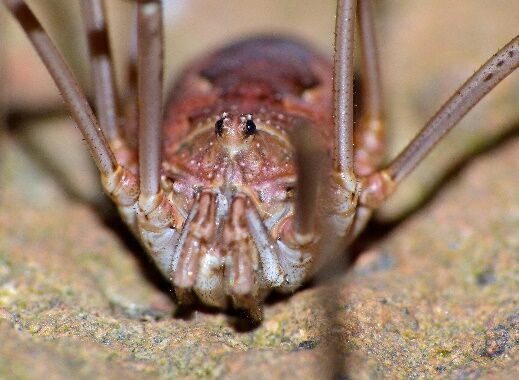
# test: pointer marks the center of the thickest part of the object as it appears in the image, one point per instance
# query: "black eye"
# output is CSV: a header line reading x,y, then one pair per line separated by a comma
x,y
218,127
250,127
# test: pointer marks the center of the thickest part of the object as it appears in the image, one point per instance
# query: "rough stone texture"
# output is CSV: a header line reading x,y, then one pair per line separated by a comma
x,y
433,294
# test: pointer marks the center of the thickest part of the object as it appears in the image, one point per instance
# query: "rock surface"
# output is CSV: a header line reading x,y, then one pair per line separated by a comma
x,y
433,294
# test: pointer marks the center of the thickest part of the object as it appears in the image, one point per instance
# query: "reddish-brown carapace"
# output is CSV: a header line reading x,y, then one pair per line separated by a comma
x,y
251,181
228,136
229,167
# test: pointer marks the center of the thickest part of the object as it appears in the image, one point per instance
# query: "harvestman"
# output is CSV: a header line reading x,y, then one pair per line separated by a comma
x,y
251,182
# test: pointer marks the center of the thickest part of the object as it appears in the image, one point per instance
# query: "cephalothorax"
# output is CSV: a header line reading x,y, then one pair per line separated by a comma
x,y
250,182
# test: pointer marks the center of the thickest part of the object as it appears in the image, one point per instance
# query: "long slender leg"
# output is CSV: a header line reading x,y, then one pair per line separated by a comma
x,y
150,73
3,95
158,218
379,185
287,258
369,132
198,235
342,203
310,154
102,67
131,73
241,261
68,86
339,197
130,100
268,250
343,90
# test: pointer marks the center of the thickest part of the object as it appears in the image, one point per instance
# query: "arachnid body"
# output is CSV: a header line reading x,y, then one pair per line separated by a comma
x,y
254,181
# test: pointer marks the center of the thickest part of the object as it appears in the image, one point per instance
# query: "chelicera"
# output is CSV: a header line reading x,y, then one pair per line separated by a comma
x,y
251,182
